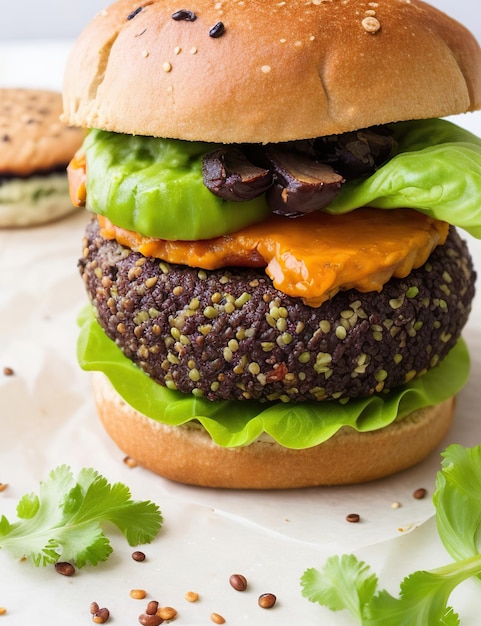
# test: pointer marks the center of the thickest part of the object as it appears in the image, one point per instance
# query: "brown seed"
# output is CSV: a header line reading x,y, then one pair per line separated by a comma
x,y
3,486
150,620
130,462
191,596
138,594
267,600
353,518
94,607
3,610
8,371
167,613
238,582
216,618
420,493
66,569
152,607
101,616
138,556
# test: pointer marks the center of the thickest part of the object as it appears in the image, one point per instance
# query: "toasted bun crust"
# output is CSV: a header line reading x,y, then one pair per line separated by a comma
x,y
188,455
280,71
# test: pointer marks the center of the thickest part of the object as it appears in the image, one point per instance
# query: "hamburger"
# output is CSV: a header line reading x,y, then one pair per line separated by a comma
x,y
35,150
276,279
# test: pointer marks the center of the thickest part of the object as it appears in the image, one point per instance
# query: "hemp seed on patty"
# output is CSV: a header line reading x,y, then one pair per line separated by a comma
x,y
229,334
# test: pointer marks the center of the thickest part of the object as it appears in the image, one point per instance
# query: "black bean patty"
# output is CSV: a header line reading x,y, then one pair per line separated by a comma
x,y
229,333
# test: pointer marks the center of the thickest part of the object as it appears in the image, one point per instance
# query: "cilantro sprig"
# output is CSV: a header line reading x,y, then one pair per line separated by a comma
x,y
345,582
65,521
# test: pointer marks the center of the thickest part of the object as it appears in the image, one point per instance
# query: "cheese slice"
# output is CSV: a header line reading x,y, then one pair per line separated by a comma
x,y
310,257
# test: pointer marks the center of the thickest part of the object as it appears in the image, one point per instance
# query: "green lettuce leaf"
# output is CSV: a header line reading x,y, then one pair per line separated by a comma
x,y
293,425
437,170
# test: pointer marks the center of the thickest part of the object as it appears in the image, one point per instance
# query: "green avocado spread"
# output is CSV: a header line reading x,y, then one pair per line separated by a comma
x,y
154,187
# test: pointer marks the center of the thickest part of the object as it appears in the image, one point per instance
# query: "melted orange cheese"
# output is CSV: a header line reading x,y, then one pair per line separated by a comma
x,y
311,257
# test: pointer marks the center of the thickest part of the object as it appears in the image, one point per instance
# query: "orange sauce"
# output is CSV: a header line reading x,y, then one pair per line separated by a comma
x,y
311,257
77,177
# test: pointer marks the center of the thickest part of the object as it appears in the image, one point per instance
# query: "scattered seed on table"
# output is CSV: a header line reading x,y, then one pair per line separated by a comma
x,y
138,594
191,596
130,462
420,493
238,582
150,620
267,600
167,613
101,616
3,486
138,556
353,518
216,618
3,610
152,607
94,607
66,569
8,371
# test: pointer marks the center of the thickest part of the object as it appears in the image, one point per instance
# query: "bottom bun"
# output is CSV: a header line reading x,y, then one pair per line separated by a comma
x,y
187,454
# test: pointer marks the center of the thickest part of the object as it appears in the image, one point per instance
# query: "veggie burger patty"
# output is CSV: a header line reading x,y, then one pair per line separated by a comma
x,y
229,334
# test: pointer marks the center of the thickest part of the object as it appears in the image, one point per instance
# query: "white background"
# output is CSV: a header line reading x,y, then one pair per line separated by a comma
x,y
65,18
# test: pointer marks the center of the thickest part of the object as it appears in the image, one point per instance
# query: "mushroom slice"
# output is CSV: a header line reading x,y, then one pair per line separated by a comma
x,y
301,185
228,173
357,153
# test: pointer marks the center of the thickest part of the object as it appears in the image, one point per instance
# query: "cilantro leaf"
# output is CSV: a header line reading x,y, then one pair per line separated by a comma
x,y
344,583
65,521
347,583
458,500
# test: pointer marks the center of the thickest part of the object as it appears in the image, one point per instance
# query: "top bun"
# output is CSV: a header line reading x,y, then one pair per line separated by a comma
x,y
276,71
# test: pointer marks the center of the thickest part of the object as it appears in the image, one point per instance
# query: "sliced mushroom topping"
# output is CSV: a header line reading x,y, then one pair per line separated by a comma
x,y
229,174
355,154
301,185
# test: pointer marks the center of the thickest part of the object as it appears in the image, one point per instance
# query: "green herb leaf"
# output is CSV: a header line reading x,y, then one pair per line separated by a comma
x,y
458,501
64,522
344,583
347,583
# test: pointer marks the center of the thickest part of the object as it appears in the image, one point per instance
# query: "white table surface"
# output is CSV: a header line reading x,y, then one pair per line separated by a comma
x,y
47,418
